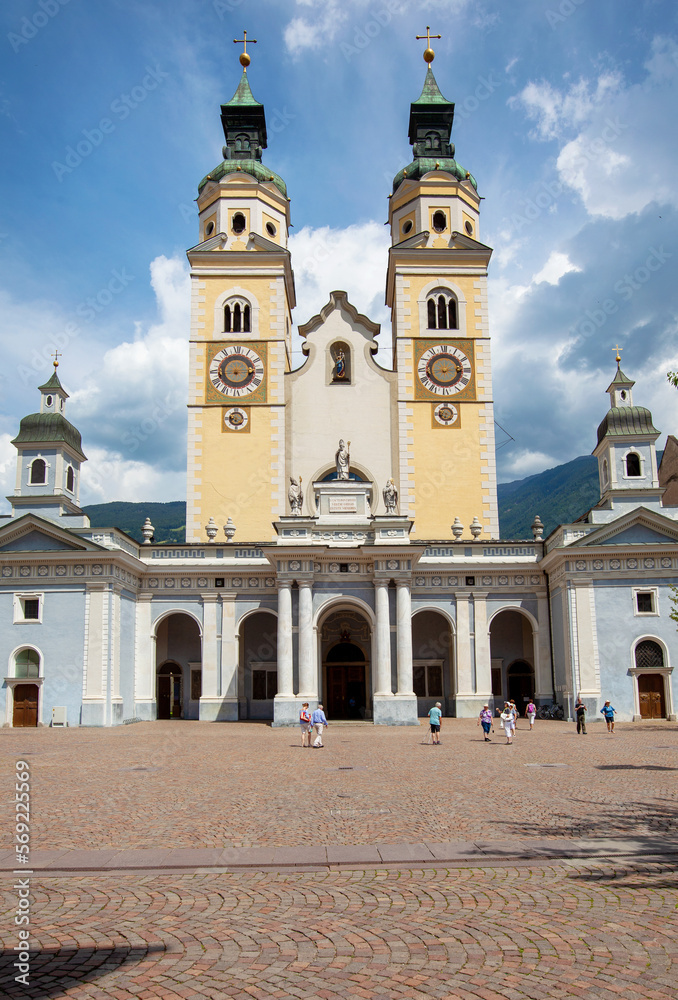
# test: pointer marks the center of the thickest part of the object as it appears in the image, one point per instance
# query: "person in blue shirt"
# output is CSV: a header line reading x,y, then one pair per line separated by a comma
x,y
434,716
319,722
608,711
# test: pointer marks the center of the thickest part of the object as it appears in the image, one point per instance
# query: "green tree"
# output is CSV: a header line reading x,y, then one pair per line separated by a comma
x,y
673,378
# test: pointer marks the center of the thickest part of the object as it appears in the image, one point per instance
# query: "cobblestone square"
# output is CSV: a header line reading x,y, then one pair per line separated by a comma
x,y
233,872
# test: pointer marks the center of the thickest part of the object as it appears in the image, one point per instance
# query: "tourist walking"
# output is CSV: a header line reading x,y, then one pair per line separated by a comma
x,y
531,713
434,716
485,720
514,713
608,711
319,723
507,721
305,725
580,712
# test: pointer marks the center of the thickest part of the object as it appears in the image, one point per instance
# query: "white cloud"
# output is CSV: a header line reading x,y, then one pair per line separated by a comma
x,y
623,155
555,267
317,28
352,260
108,476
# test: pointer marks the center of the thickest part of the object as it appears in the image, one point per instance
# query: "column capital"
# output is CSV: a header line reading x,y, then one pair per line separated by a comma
x,y
209,598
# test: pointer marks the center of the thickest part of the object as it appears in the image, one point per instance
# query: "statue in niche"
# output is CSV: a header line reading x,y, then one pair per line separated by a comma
x,y
390,495
294,495
339,365
343,459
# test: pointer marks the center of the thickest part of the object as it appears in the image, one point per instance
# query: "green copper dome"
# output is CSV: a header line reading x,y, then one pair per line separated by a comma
x,y
626,421
49,428
253,167
424,165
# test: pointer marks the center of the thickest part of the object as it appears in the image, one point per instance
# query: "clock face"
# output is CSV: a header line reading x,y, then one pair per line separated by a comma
x,y
446,415
236,419
236,371
444,370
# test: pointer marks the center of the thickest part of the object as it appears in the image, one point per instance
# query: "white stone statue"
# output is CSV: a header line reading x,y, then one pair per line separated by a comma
x,y
390,495
343,459
294,495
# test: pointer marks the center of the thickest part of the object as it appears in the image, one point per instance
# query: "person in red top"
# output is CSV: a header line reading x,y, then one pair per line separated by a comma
x,y
305,725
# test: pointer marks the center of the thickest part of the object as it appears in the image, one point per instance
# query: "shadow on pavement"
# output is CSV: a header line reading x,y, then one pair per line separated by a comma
x,y
646,823
54,972
634,767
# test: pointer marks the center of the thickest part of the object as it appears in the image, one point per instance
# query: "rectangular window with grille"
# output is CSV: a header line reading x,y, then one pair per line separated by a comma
x,y
645,601
28,608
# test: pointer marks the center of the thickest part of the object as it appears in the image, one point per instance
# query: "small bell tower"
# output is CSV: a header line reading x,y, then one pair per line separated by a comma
x,y
49,457
626,453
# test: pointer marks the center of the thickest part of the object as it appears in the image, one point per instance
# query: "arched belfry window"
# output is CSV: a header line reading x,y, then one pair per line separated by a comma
x,y
38,471
649,654
606,473
70,479
237,316
633,464
442,312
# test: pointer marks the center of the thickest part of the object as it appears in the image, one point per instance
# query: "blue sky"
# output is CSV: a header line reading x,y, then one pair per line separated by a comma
x,y
565,114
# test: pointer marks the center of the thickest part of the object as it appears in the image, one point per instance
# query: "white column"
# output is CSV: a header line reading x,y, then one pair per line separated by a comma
x,y
482,643
209,647
229,649
285,666
542,652
404,606
464,678
144,654
307,673
382,679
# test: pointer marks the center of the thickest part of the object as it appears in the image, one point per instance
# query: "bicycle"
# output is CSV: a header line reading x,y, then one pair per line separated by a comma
x,y
551,712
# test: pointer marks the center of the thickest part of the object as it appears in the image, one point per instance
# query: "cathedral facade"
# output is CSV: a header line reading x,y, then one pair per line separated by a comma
x,y
342,535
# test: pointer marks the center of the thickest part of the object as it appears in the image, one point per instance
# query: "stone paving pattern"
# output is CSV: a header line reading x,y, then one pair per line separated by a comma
x,y
563,930
192,785
381,927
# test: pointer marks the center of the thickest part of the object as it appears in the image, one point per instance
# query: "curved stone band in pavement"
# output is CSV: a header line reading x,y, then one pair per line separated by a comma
x,y
581,929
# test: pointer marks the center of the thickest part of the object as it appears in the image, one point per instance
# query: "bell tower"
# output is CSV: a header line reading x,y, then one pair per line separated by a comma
x,y
242,297
436,288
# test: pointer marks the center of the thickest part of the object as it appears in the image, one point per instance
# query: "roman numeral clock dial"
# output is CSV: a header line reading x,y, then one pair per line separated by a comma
x,y
444,370
236,371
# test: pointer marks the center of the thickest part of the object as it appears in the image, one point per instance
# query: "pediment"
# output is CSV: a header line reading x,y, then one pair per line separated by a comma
x,y
638,527
339,301
33,534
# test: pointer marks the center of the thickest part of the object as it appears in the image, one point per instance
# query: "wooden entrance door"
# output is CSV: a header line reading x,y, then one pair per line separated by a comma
x,y
170,697
25,705
346,691
651,696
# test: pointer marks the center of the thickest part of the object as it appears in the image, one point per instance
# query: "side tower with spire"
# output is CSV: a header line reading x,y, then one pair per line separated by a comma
x,y
626,453
436,288
242,297
49,459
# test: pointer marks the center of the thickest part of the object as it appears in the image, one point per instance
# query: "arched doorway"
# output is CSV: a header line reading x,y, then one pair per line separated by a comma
x,y
26,695
258,668
651,676
512,654
432,670
346,661
178,659
170,693
520,677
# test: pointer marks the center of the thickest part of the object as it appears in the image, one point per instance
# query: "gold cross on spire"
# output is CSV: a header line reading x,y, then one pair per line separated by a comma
x,y
56,360
244,58
429,54
618,349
